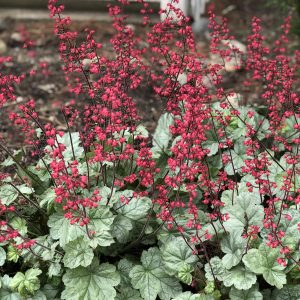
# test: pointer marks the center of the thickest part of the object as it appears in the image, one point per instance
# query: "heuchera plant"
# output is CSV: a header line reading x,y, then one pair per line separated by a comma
x,y
205,208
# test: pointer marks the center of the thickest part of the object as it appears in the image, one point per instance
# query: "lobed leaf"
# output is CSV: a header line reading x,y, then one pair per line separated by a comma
x,y
78,253
264,261
94,282
151,279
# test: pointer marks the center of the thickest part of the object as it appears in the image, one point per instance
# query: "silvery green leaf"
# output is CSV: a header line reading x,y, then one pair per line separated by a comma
x,y
259,123
26,283
120,228
108,193
233,245
62,230
19,224
184,273
175,254
39,295
102,238
289,223
124,268
40,170
12,254
212,142
6,292
94,282
278,175
289,132
2,256
66,140
54,269
215,267
50,291
151,279
243,213
250,294
9,161
141,131
25,189
236,162
8,194
94,168
240,277
242,187
181,218
135,209
228,197
43,248
264,261
162,135
288,292
128,294
190,296
127,134
78,253
101,219
47,198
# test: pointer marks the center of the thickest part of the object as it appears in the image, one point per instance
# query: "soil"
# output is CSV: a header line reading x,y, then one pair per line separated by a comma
x,y
48,86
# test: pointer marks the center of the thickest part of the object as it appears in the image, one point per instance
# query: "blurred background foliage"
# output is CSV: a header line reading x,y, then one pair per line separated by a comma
x,y
289,6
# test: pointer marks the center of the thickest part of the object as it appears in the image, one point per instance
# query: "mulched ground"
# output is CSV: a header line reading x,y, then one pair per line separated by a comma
x,y
48,87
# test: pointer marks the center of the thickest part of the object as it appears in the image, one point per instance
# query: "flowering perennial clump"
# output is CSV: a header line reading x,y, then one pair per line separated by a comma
x,y
206,207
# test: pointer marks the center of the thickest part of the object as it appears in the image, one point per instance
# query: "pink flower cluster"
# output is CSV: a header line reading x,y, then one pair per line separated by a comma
x,y
107,122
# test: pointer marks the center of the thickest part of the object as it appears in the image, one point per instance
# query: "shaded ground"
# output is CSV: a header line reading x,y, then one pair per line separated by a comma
x,y
48,86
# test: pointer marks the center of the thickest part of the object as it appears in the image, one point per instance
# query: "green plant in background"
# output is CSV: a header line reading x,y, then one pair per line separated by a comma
x,y
292,7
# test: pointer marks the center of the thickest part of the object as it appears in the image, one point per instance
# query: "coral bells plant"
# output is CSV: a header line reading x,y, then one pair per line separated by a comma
x,y
206,207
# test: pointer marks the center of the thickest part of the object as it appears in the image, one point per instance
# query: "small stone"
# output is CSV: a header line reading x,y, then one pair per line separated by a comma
x,y
48,88
49,59
3,47
131,26
233,63
86,63
234,44
16,37
19,99
21,56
